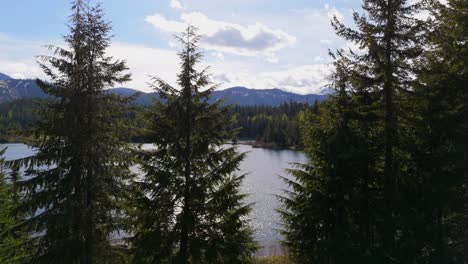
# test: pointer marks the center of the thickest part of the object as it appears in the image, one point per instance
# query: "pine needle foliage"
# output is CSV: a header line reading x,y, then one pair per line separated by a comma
x,y
438,144
351,198
74,183
13,240
189,208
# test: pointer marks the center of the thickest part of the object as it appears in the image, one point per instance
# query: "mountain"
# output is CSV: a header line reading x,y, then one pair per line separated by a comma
x,y
141,98
4,77
12,89
273,97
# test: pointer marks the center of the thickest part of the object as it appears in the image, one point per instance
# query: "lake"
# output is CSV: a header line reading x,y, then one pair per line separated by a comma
x,y
262,183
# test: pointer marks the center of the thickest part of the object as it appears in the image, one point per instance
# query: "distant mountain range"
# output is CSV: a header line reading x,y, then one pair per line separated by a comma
x,y
12,89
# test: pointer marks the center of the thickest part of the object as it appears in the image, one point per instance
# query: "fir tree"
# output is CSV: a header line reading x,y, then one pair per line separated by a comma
x,y
439,147
351,199
390,38
74,181
13,241
325,213
189,209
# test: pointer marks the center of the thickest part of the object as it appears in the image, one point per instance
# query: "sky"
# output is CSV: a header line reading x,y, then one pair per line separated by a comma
x,y
259,44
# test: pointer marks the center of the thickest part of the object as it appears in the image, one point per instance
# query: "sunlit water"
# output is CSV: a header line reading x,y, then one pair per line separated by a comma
x,y
264,166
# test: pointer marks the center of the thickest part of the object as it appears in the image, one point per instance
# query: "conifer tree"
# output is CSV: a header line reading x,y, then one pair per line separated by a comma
x,y
189,209
390,38
440,126
75,180
13,242
351,198
325,213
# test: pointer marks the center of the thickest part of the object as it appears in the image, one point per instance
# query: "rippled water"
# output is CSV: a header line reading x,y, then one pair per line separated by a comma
x,y
262,183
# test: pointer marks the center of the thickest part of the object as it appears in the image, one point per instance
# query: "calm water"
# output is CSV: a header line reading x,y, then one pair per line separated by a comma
x,y
262,183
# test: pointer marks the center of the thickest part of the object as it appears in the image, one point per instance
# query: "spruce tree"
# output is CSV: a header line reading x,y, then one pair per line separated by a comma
x,y
440,126
326,211
13,241
189,208
351,198
390,38
74,182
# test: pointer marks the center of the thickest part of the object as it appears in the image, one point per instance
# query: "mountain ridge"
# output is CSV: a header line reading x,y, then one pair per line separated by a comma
x,y
12,89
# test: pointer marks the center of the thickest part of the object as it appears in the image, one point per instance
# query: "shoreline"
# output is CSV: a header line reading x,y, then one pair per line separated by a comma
x,y
267,145
252,143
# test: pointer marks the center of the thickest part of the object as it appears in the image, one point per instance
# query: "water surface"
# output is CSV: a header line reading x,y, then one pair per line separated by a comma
x,y
262,183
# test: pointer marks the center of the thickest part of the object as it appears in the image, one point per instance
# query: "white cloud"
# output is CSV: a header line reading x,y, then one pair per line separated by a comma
x,y
319,58
252,52
159,21
271,58
251,40
333,12
176,4
424,14
218,55
17,57
302,79
21,69
144,62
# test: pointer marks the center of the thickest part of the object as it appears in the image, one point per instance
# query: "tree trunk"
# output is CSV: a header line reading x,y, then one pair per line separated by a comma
x,y
186,214
389,131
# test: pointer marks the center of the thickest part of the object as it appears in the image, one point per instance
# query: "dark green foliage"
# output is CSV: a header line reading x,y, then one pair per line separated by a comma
x,y
355,192
17,118
75,181
273,125
13,239
387,179
438,145
188,208
267,124
390,35
326,211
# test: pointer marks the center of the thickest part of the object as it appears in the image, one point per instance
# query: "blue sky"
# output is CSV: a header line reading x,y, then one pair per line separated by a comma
x,y
253,43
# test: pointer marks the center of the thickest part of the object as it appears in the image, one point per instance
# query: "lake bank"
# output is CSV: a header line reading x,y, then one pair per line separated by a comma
x,y
268,145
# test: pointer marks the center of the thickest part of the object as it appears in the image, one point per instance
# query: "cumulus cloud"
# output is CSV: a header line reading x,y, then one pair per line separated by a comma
x,y
221,78
302,79
145,61
251,40
176,4
302,69
17,57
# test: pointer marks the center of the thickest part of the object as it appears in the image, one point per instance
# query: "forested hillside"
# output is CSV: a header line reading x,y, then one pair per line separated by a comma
x,y
272,126
16,118
267,126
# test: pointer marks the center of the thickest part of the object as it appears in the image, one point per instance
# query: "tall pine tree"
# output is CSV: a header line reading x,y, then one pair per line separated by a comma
x,y
74,182
190,209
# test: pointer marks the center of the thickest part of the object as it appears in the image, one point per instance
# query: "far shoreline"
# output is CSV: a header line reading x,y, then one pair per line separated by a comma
x,y
246,142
